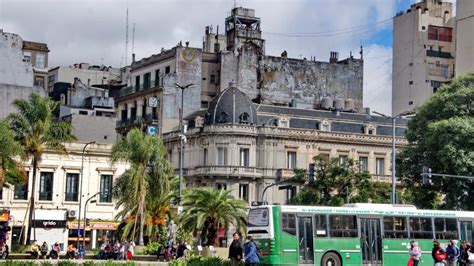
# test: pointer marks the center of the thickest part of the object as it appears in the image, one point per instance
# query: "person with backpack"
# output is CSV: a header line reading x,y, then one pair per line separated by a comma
x,y
251,252
438,254
453,253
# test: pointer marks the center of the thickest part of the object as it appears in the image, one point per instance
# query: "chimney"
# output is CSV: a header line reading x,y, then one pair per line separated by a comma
x,y
133,58
187,44
333,58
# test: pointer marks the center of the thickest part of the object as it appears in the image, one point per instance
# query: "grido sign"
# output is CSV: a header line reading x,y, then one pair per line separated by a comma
x,y
49,224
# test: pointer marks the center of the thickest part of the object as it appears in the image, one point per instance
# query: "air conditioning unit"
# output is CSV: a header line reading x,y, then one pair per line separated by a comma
x,y
71,213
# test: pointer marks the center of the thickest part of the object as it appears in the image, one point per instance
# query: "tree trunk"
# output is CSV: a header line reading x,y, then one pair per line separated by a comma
x,y
142,212
32,203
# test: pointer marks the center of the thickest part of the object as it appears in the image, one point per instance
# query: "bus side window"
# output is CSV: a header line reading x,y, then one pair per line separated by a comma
x,y
342,226
395,227
320,225
446,228
288,223
420,228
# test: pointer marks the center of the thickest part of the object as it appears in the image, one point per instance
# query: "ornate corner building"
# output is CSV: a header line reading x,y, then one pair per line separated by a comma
x,y
241,146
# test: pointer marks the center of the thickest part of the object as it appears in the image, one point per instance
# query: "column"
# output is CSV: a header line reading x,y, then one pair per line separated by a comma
x,y
139,108
93,238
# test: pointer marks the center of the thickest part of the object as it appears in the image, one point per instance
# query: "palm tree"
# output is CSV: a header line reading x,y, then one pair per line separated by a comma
x,y
208,210
147,177
36,129
11,173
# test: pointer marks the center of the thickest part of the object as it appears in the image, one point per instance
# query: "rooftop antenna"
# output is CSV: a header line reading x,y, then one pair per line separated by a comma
x,y
126,37
133,38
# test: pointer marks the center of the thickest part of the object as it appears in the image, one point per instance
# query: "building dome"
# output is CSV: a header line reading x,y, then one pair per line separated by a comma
x,y
231,106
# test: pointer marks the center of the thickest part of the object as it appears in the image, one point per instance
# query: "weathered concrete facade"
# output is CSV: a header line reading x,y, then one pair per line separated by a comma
x,y
16,74
237,56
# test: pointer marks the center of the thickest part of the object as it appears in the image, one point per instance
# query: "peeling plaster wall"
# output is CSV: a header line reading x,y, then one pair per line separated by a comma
x,y
284,79
188,70
12,68
8,93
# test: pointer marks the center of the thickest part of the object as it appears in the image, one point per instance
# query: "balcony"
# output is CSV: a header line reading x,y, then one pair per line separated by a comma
x,y
142,87
147,119
440,54
441,72
285,174
225,171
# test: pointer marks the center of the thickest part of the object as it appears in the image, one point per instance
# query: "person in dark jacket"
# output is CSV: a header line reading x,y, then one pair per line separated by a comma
x,y
235,250
251,252
452,252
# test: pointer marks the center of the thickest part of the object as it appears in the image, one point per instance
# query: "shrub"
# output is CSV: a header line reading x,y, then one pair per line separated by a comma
x,y
66,263
152,248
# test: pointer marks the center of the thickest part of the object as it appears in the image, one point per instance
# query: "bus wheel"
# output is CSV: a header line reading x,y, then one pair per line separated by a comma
x,y
331,259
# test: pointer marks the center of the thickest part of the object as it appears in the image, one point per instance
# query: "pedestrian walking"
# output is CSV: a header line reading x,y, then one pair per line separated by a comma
x,y
251,252
415,254
235,250
438,254
452,252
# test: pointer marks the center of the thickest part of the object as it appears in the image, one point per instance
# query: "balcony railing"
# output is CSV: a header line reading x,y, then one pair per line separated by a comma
x,y
433,53
141,87
137,120
71,197
46,195
285,174
225,171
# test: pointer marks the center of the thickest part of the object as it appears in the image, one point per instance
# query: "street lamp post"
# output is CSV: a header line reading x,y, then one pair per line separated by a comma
x,y
394,177
85,212
80,192
181,138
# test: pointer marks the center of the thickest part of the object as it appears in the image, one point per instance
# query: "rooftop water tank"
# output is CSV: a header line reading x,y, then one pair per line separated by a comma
x,y
326,103
339,104
349,105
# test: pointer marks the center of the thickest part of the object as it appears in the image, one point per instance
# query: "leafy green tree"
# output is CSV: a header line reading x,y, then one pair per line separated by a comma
x,y
11,172
147,180
36,129
336,184
206,210
441,136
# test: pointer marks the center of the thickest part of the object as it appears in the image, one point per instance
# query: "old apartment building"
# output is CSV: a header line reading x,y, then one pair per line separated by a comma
x,y
37,54
430,48
237,55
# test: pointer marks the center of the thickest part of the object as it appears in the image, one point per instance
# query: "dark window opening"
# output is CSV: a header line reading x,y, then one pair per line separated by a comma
x,y
157,77
420,228
137,83
72,187
147,80
342,226
105,188
167,70
46,186
395,227
288,223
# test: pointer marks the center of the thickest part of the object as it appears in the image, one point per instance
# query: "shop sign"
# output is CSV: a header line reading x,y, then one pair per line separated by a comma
x,y
49,224
103,225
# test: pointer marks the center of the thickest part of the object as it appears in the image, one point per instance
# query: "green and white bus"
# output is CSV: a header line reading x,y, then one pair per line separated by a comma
x,y
355,234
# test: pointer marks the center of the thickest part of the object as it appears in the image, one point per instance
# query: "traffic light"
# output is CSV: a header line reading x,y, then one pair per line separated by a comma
x,y
312,178
426,176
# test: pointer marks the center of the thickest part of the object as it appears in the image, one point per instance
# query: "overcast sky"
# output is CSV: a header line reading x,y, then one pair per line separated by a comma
x,y
94,31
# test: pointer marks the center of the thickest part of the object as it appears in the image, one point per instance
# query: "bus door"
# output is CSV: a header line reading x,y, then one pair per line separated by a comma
x,y
371,241
466,231
305,240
